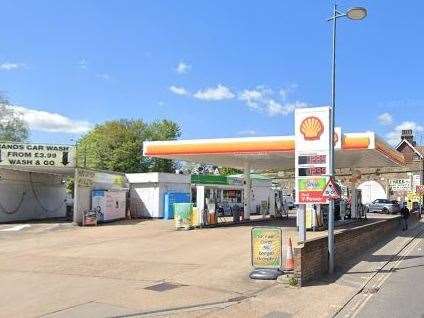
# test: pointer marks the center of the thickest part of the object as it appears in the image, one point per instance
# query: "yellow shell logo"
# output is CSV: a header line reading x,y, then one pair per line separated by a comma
x,y
311,128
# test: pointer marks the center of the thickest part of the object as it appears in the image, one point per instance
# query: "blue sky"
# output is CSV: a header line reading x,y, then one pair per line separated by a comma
x,y
219,68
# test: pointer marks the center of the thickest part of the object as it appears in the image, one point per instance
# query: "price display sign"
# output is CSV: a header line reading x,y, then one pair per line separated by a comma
x,y
312,171
312,159
312,154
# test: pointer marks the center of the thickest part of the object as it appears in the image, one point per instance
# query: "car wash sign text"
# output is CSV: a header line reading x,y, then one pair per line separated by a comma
x,y
36,155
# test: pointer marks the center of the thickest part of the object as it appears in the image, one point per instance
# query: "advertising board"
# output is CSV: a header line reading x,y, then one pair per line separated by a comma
x,y
109,205
88,178
266,247
400,184
416,180
36,155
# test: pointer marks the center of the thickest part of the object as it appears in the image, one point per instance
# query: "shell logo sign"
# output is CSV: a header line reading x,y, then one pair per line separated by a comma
x,y
312,134
312,128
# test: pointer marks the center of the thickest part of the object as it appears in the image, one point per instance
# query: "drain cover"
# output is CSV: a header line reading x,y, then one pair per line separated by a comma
x,y
371,290
163,287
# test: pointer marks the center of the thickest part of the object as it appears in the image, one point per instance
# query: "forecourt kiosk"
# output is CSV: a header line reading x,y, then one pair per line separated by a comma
x,y
301,151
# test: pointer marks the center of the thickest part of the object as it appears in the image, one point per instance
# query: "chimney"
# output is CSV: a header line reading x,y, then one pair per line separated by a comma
x,y
409,136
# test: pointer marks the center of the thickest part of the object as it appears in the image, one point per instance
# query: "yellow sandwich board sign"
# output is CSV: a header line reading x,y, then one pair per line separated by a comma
x,y
266,247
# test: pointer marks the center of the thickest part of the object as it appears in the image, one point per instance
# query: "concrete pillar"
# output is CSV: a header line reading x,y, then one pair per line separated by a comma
x,y
353,206
302,222
200,202
318,218
272,202
247,193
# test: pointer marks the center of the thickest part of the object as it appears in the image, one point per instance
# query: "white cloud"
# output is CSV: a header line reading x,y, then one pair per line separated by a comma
x,y
179,90
274,108
286,91
247,132
11,66
255,97
83,64
385,119
104,76
161,103
219,92
263,99
51,122
393,137
182,68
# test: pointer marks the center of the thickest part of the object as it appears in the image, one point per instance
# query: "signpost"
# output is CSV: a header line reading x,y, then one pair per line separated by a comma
x,y
36,155
312,159
312,154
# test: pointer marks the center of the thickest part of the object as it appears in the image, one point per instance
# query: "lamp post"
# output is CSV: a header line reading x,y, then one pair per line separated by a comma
x,y
76,152
356,13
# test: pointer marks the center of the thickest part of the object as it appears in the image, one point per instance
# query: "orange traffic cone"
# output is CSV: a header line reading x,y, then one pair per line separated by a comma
x,y
289,259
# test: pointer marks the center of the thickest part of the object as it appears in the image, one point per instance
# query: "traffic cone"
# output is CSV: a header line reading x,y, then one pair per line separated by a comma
x,y
289,259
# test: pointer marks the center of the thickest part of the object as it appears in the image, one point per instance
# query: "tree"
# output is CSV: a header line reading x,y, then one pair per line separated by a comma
x,y
12,127
229,171
118,146
162,130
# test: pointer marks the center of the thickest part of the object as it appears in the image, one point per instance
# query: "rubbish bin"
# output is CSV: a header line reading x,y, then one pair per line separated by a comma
x,y
212,219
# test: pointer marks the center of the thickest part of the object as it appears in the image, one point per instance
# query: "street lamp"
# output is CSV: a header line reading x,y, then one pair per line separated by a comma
x,y
356,13
76,152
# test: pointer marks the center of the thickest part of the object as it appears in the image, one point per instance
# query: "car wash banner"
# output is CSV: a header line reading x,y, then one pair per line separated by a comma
x,y
312,153
36,155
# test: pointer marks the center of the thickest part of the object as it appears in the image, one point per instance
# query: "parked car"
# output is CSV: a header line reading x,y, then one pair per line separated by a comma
x,y
384,206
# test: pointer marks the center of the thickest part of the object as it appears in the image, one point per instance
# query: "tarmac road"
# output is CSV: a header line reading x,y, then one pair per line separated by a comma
x,y
398,291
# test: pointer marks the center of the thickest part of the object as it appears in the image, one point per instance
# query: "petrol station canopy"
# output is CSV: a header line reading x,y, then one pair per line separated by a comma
x,y
356,150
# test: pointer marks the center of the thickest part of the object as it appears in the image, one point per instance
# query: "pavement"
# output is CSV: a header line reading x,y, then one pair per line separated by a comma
x,y
146,268
396,289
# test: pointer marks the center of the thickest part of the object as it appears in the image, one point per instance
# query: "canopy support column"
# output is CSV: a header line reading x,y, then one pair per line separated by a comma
x,y
247,193
354,203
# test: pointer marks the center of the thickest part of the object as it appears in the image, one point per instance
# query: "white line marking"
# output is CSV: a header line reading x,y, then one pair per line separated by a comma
x,y
16,228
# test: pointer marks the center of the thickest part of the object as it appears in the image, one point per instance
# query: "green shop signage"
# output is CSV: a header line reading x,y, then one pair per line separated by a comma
x,y
209,179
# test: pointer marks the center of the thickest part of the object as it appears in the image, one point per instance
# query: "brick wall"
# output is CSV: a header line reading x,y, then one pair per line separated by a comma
x,y
311,257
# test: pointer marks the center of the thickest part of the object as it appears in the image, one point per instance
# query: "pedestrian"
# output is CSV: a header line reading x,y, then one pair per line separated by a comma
x,y
404,215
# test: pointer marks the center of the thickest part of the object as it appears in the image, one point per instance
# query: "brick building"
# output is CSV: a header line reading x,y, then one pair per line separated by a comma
x,y
408,147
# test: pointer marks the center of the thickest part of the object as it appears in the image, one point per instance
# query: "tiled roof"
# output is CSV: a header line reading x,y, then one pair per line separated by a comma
x,y
420,149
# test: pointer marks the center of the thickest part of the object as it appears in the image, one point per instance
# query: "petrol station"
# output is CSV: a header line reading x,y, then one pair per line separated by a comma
x,y
306,151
